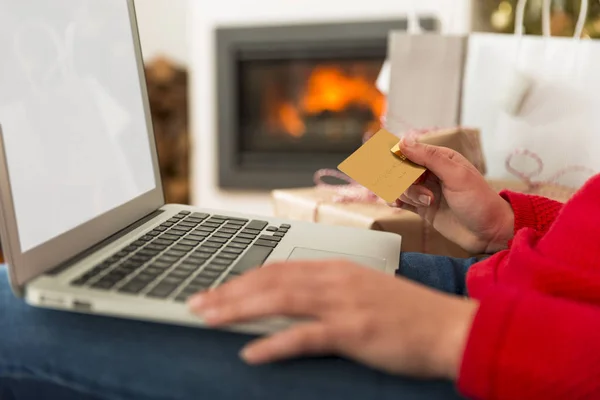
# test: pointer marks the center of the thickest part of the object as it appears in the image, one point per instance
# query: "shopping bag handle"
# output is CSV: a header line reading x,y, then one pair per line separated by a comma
x,y
546,18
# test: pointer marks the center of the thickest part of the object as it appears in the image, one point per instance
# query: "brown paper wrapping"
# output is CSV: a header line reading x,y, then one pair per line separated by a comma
x,y
466,141
317,205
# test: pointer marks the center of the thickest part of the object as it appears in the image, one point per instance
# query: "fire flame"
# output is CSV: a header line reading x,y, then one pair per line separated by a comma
x,y
329,89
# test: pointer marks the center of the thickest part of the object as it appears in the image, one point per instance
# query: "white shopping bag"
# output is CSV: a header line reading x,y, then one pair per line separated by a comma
x,y
425,71
535,100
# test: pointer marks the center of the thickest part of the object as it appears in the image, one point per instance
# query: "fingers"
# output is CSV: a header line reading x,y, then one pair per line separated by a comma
x,y
290,289
441,161
309,338
419,195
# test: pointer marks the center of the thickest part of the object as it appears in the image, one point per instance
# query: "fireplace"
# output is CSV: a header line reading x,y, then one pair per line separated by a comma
x,y
295,99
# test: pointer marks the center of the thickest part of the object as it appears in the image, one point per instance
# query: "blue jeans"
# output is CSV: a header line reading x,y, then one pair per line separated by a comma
x,y
58,355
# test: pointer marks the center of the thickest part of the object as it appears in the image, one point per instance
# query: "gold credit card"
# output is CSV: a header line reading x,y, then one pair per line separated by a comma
x,y
379,166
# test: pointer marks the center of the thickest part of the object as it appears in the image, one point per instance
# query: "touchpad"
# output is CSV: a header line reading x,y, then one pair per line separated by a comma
x,y
301,253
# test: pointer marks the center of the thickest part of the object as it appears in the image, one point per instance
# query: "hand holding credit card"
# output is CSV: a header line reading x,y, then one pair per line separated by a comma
x,y
379,166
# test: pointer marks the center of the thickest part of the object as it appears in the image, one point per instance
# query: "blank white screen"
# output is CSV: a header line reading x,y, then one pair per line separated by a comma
x,y
72,113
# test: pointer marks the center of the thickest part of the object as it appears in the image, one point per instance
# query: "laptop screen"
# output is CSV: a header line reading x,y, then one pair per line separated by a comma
x,y
72,112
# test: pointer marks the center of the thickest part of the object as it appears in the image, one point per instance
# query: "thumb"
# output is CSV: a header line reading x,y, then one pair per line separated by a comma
x,y
441,161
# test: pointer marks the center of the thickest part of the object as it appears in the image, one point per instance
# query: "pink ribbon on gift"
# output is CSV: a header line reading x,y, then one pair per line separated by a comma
x,y
528,178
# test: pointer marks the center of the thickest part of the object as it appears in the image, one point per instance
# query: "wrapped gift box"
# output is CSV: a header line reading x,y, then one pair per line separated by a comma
x,y
320,204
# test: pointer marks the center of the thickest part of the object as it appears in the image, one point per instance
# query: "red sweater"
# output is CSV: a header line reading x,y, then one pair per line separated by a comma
x,y
536,334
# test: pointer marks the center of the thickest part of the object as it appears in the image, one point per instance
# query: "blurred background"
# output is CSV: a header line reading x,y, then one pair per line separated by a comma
x,y
249,96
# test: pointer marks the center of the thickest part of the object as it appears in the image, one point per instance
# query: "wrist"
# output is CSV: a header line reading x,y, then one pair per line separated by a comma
x,y
454,337
505,230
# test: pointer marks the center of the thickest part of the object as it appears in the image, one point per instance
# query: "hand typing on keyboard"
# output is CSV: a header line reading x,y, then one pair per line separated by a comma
x,y
380,320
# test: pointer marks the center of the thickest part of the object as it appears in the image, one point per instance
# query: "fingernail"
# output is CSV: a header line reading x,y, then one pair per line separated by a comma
x,y
196,302
408,141
425,200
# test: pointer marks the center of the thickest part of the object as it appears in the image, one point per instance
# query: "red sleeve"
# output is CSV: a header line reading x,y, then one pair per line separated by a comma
x,y
525,345
532,211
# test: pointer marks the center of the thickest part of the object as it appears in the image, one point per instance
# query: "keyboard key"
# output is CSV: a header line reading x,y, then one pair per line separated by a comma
x,y
144,275
189,266
182,228
173,280
216,268
238,245
285,226
214,245
238,239
205,229
154,233
247,231
233,227
222,261
197,237
167,224
268,237
203,281
210,225
182,247
217,240
160,229
209,274
253,258
232,250
217,221
266,243
228,256
199,215
236,222
152,270
163,242
175,253
161,264
279,234
158,247
188,224
228,231
244,236
133,287
173,220
260,225
282,230
162,290
184,213
166,258
188,242
104,284
202,253
196,261
272,229
206,249
148,252
223,235
146,238
181,273
167,236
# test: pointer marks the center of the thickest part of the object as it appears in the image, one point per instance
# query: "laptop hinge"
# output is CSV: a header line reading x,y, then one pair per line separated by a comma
x,y
65,265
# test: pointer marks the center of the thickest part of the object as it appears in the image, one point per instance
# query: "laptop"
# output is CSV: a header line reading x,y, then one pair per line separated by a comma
x,y
84,224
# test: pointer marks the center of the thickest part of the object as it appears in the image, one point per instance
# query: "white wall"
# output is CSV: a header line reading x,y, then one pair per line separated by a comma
x,y
163,28
207,14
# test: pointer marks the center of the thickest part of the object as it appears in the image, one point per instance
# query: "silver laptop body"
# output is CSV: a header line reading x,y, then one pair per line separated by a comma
x,y
84,225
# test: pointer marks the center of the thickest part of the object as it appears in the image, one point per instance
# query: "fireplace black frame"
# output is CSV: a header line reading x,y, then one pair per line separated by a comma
x,y
265,171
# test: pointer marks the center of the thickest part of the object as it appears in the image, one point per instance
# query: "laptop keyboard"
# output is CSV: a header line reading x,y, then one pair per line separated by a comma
x,y
187,254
